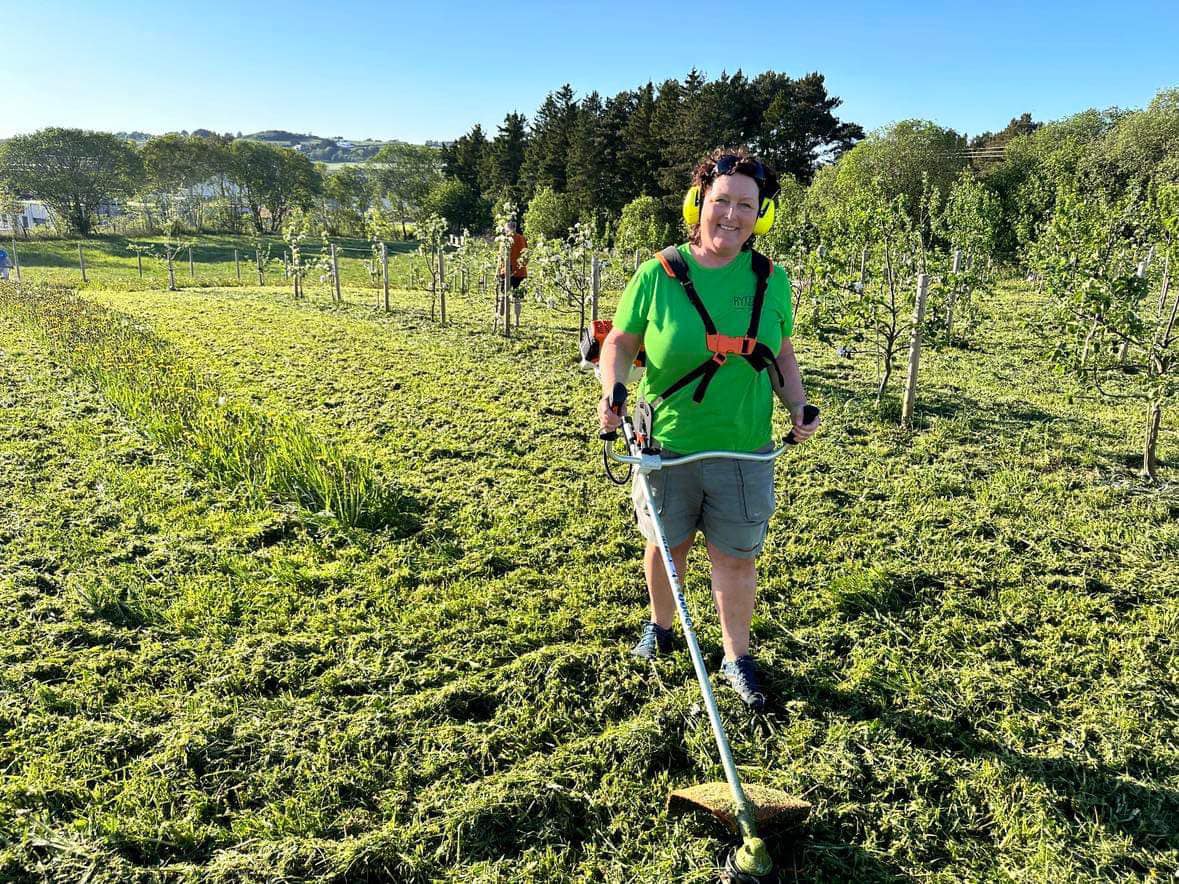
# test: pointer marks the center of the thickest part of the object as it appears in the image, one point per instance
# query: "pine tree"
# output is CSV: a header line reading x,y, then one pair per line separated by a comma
x,y
548,149
590,180
798,130
462,159
642,158
503,159
670,178
714,114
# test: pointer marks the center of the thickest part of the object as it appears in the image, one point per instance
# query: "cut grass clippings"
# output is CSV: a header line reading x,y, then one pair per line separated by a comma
x,y
967,631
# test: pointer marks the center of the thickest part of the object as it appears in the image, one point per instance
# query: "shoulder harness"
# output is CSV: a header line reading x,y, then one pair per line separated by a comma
x,y
748,347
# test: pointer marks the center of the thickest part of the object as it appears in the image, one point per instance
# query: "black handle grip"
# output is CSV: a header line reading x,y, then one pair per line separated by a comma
x,y
617,402
809,413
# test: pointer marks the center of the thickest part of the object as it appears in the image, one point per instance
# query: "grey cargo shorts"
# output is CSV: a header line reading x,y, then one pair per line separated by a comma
x,y
731,501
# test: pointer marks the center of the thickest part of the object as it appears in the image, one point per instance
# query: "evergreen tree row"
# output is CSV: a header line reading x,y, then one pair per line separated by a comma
x,y
605,152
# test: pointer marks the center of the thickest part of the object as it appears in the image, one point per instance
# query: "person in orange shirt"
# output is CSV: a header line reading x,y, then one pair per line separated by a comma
x,y
518,269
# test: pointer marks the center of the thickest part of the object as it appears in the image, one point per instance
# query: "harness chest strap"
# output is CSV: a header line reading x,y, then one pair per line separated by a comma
x,y
748,347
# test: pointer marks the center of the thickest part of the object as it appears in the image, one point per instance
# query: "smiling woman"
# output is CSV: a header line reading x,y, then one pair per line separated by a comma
x,y
715,320
731,193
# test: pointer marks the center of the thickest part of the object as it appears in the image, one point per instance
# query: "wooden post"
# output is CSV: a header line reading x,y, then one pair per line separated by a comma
x,y
15,256
1162,291
171,268
507,300
82,262
638,258
953,296
442,290
1140,272
191,266
595,289
814,293
914,352
258,262
507,292
336,296
385,272
237,266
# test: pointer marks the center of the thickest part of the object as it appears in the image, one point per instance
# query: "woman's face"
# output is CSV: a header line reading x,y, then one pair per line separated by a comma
x,y
728,214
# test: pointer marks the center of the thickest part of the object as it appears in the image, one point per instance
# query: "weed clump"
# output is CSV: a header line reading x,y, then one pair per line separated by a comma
x,y
184,409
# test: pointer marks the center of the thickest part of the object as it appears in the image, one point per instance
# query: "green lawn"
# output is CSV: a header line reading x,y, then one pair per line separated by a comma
x,y
968,630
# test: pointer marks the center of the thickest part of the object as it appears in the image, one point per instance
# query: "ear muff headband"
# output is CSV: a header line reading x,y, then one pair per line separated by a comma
x,y
691,210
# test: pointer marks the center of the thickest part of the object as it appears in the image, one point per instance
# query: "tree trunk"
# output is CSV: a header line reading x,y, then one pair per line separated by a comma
x,y
1154,416
886,361
82,221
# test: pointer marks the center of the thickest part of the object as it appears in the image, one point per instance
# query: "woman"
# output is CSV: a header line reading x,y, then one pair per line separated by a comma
x,y
725,403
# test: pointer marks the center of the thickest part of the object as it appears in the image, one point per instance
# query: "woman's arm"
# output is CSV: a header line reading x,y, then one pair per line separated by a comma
x,y
791,392
618,353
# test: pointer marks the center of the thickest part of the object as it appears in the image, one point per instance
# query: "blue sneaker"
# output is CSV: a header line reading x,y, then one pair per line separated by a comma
x,y
741,675
655,640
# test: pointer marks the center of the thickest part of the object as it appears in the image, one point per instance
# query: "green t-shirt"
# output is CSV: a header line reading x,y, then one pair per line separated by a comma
x,y
736,411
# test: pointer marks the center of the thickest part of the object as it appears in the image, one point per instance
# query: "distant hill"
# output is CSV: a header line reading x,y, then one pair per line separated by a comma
x,y
324,150
316,147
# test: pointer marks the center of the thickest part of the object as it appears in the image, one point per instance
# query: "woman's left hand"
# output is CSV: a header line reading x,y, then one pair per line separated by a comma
x,y
803,431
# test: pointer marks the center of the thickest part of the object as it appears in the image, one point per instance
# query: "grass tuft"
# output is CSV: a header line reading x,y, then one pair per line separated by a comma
x,y
186,410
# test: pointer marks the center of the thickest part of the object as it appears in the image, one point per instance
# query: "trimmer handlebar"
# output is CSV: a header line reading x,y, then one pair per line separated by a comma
x,y
617,403
650,462
809,413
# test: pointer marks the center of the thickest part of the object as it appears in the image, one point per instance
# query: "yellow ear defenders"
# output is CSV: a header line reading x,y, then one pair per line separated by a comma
x,y
693,200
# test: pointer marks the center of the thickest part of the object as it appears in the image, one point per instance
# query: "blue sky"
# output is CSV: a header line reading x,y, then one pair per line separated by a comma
x,y
431,70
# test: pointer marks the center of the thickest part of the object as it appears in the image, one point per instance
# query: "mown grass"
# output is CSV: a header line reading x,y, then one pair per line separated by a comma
x,y
968,630
112,263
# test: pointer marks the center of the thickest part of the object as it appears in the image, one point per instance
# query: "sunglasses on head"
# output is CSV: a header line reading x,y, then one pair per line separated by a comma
x,y
730,163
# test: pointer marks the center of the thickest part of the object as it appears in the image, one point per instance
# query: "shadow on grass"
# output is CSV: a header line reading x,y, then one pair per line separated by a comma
x,y
1147,815
979,416
815,861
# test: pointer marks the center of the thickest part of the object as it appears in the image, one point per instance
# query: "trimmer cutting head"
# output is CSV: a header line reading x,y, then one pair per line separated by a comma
x,y
717,799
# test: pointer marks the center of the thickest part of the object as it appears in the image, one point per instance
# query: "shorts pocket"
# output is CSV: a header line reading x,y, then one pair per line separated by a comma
x,y
757,489
658,482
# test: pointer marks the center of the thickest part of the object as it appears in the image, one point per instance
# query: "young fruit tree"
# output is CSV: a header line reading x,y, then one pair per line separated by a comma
x,y
1106,327
969,222
431,239
505,213
380,227
560,271
171,248
874,300
473,260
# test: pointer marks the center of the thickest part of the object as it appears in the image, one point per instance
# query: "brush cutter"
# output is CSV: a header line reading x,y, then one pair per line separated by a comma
x,y
742,808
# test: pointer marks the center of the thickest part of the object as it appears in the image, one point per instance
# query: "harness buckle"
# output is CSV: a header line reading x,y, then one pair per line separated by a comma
x,y
720,344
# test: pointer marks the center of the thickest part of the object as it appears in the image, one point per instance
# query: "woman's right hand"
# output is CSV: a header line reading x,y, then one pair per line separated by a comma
x,y
607,419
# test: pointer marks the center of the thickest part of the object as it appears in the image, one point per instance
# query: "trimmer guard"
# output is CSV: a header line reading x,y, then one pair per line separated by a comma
x,y
717,799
